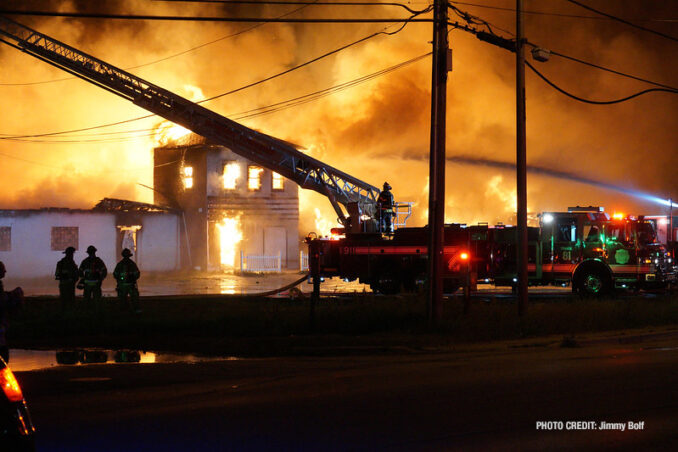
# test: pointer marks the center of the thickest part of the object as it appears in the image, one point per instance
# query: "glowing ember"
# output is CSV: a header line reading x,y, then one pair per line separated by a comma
x,y
229,237
231,175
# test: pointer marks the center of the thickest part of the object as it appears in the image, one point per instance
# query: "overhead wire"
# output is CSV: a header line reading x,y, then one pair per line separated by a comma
x,y
259,111
603,68
547,13
476,20
623,21
308,3
326,92
33,162
594,102
250,85
357,20
169,57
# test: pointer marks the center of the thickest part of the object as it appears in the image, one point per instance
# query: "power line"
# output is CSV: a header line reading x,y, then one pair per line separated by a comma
x,y
260,111
209,18
184,52
546,13
603,68
268,2
510,45
332,52
588,101
618,19
210,98
475,20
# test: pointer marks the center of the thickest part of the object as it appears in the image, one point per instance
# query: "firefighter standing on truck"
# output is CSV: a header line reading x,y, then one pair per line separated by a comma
x,y
67,275
385,204
92,273
127,273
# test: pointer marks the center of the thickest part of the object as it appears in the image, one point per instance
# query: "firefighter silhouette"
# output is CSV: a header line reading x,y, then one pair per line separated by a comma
x,y
92,273
385,206
9,303
67,274
126,274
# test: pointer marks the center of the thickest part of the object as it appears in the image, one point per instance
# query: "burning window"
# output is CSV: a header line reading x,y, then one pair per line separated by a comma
x,y
188,177
254,177
277,182
231,174
63,237
5,238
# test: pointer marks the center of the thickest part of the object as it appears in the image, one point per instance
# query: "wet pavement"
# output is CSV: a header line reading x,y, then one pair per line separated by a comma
x,y
26,360
197,283
220,283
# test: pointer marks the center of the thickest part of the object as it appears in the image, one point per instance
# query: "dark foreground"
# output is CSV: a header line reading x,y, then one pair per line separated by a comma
x,y
358,323
487,397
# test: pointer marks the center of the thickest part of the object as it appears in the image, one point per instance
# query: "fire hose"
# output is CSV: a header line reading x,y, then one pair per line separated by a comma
x,y
281,289
219,296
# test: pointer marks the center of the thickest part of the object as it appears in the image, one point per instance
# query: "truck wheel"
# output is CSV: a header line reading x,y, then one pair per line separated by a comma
x,y
387,283
594,283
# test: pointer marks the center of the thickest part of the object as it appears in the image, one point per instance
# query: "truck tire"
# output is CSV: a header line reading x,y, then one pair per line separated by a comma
x,y
387,282
593,283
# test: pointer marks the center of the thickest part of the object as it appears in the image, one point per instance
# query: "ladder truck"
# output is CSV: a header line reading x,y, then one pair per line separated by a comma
x,y
352,199
384,261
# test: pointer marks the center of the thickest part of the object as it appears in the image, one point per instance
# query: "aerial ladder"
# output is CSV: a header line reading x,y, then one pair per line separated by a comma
x,y
358,198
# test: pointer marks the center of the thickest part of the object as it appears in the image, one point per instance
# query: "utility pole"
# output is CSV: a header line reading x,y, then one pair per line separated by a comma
x,y
521,162
436,193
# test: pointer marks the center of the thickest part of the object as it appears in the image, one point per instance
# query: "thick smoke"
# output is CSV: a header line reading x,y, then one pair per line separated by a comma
x,y
377,131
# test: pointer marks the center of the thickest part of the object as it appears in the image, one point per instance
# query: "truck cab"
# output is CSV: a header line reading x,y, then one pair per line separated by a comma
x,y
590,250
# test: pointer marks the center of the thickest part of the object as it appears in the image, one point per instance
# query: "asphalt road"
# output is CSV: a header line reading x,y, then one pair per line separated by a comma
x,y
475,398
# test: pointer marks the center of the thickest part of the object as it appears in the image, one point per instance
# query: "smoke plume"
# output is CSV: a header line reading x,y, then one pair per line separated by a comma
x,y
377,131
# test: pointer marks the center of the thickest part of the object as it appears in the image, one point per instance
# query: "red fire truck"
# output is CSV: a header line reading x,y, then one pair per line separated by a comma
x,y
588,249
583,247
390,264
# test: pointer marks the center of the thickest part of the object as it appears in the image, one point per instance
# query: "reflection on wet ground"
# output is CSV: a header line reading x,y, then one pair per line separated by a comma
x,y
197,283
25,360
215,283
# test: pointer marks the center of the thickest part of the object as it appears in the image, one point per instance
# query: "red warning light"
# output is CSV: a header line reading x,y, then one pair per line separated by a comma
x,y
10,385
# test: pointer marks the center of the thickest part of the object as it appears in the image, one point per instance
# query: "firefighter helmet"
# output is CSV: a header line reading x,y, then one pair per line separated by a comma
x,y
69,250
386,186
126,253
91,249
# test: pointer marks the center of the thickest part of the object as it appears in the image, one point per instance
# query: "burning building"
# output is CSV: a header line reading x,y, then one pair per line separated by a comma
x,y
33,240
235,212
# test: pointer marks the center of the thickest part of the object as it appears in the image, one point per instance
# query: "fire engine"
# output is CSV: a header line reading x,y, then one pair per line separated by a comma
x,y
391,263
588,249
584,247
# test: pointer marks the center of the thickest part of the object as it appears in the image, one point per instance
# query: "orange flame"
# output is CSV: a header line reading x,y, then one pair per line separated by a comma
x,y
230,234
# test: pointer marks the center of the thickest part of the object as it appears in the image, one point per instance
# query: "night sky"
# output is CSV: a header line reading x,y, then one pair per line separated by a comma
x,y
377,130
